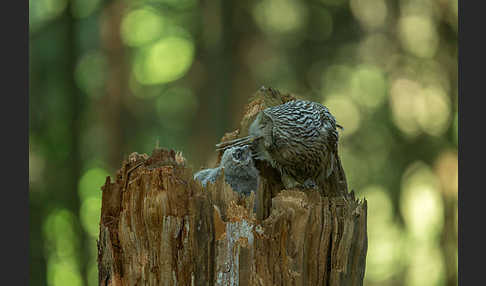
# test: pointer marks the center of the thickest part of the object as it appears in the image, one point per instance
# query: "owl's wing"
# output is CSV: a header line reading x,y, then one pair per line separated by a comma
x,y
331,140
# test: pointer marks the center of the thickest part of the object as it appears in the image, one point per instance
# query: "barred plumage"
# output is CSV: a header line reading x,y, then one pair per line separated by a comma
x,y
298,138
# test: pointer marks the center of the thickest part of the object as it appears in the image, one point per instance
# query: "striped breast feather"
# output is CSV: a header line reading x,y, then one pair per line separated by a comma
x,y
300,117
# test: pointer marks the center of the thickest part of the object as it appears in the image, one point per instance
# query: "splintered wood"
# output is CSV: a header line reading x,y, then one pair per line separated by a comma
x,y
160,227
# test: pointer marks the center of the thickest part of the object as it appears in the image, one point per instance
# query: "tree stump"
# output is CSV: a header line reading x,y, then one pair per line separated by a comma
x,y
160,227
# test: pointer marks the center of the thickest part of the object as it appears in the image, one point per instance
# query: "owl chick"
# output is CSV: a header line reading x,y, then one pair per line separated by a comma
x,y
298,138
239,170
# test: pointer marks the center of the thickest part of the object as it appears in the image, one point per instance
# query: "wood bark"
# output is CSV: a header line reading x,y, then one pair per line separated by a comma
x,y
160,227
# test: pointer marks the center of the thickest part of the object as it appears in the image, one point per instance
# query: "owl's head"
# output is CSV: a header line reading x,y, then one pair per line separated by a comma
x,y
261,126
237,156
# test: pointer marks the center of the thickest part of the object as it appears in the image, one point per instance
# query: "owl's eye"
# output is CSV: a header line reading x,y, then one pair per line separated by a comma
x,y
237,154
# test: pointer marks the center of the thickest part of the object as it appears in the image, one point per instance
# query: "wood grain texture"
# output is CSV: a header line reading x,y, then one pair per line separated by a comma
x,y
160,227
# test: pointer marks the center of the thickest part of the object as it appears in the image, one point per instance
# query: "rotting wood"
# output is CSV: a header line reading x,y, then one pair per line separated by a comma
x,y
160,227
165,229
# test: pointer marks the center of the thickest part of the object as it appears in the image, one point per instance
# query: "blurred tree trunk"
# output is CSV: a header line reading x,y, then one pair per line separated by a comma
x,y
117,82
214,79
75,108
159,227
221,77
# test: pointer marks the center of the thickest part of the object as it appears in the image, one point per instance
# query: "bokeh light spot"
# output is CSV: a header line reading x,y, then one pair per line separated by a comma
x,y
403,92
368,86
90,73
378,196
90,214
371,14
426,266
357,171
61,241
433,111
165,61
336,78
346,112
384,257
417,109
91,182
141,26
419,36
61,273
420,202
280,16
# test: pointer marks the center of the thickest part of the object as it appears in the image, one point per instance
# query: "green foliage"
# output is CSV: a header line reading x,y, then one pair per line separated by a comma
x,y
108,78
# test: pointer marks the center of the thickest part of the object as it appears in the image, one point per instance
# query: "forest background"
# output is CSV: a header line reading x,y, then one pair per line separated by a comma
x,y
108,78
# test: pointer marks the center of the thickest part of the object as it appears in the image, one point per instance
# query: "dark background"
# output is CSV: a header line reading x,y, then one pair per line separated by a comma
x,y
108,78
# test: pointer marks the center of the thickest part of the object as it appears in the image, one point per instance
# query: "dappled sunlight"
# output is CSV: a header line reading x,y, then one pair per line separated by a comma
x,y
60,221
63,272
371,14
110,78
91,182
368,86
61,249
431,74
349,114
403,92
433,111
280,16
418,109
164,61
90,212
385,238
419,36
90,195
421,204
356,168
425,266
90,215
142,26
